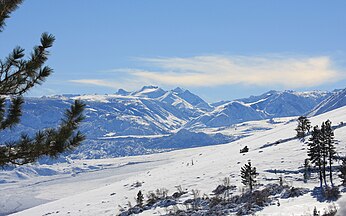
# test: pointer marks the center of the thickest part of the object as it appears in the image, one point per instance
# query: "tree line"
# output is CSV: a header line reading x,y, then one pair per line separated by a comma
x,y
321,151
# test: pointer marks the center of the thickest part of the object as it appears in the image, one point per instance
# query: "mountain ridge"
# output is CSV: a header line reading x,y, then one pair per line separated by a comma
x,y
153,111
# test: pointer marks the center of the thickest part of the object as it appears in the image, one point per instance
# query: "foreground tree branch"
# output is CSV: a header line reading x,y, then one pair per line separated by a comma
x,y
17,76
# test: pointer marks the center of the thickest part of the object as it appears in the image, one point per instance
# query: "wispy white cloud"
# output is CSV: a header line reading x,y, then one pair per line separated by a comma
x,y
109,83
97,82
222,70
214,70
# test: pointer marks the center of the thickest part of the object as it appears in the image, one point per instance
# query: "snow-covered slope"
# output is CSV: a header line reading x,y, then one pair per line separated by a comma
x,y
186,108
116,146
226,115
286,103
104,190
149,92
193,99
334,101
272,104
105,114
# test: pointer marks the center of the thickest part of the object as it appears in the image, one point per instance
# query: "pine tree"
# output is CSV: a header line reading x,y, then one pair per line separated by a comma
x,y
315,151
324,151
17,76
140,199
303,126
321,150
342,170
248,175
329,140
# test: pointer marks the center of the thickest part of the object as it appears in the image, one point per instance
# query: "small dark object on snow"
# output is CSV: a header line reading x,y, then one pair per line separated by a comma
x,y
244,150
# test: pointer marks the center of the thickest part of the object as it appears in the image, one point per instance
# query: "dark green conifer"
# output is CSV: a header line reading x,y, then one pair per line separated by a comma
x,y
303,126
248,175
331,152
140,198
315,151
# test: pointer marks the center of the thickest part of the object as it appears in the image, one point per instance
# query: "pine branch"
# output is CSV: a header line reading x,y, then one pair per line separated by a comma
x,y
51,142
6,8
14,113
17,76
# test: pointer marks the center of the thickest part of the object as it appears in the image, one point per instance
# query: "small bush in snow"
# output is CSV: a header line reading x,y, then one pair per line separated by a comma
x,y
152,198
294,192
224,188
331,211
331,193
137,184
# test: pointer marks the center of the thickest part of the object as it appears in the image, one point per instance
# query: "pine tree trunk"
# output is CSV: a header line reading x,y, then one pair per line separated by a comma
x,y
250,184
324,171
320,171
330,172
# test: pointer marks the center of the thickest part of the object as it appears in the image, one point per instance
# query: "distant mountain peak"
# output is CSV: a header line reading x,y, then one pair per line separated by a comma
x,y
178,90
149,87
271,92
122,92
149,91
191,98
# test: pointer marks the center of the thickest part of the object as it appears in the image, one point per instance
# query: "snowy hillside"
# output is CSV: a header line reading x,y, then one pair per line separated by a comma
x,y
286,103
148,111
226,115
104,187
117,146
272,104
334,101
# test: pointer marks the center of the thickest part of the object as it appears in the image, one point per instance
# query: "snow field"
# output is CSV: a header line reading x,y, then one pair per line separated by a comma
x,y
210,165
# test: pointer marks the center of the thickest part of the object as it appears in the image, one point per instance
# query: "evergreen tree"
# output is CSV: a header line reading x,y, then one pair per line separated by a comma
x,y
315,151
342,170
17,76
248,175
140,198
303,126
329,140
321,150
324,151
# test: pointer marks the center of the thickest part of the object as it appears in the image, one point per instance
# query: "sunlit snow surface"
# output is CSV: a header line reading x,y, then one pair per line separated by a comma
x,y
99,187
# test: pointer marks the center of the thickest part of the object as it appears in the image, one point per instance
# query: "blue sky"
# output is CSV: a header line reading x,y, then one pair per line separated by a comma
x,y
217,49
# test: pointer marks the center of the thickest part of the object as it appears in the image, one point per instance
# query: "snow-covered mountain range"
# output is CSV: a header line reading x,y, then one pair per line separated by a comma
x,y
272,104
141,121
